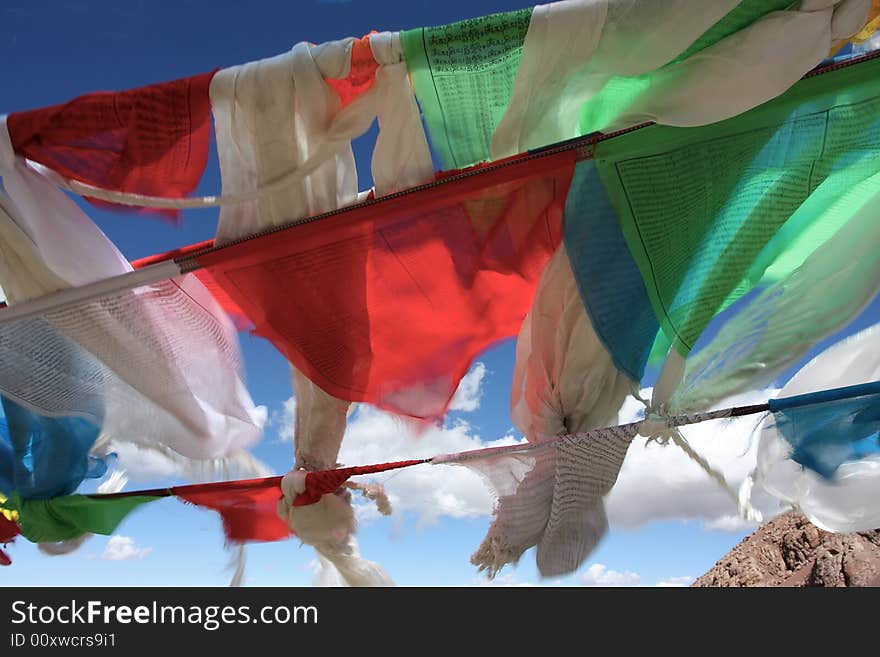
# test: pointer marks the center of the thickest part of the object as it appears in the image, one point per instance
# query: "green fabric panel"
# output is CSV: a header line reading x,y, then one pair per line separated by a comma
x,y
707,211
463,76
620,92
67,517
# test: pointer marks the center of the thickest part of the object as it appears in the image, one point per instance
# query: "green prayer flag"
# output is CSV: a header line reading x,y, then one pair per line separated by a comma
x,y
463,76
70,516
710,211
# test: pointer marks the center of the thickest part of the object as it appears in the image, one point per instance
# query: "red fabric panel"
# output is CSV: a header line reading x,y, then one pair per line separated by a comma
x,y
248,507
152,140
325,482
390,303
8,529
361,74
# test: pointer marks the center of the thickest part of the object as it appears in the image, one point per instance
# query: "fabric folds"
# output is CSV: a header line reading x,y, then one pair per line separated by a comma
x,y
281,126
43,457
247,508
565,382
71,516
390,303
588,66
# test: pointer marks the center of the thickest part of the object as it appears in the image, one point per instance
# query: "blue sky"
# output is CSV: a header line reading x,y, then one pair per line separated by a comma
x,y
668,523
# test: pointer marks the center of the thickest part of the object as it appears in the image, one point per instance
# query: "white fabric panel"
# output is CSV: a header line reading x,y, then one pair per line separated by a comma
x,y
278,123
851,502
402,158
564,382
270,117
155,365
547,90
60,235
745,69
573,48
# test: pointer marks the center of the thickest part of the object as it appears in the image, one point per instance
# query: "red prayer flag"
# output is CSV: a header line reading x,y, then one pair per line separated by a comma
x,y
248,507
389,303
8,531
152,140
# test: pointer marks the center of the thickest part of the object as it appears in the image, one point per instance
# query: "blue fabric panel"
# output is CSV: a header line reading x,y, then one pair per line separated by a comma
x,y
44,457
607,277
826,434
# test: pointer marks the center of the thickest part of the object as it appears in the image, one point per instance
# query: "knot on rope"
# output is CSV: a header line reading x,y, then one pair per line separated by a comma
x,y
328,524
657,425
303,488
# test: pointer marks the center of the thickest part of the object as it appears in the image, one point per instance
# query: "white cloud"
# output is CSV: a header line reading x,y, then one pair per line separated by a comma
x,y
284,420
430,491
123,548
467,396
599,575
731,523
677,582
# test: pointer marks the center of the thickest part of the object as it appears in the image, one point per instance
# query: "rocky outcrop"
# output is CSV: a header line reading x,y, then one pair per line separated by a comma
x,y
790,551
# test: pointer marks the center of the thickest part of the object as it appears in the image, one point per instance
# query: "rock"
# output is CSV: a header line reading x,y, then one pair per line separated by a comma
x,y
790,551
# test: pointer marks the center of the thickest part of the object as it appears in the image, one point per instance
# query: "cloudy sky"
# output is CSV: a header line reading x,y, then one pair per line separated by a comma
x,y
669,522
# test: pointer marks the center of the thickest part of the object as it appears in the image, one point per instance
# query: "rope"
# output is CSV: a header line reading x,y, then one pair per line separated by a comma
x,y
319,483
